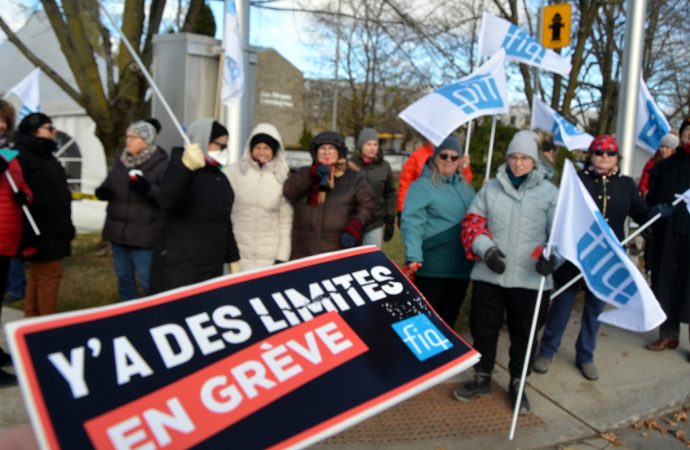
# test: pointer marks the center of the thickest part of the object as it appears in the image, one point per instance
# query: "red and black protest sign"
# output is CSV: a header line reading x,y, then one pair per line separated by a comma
x,y
281,357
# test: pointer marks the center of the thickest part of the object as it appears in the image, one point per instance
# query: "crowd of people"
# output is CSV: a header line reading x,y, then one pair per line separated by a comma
x,y
189,216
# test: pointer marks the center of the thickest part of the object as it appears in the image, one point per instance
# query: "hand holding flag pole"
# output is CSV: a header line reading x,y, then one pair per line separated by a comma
x,y
632,236
25,209
147,75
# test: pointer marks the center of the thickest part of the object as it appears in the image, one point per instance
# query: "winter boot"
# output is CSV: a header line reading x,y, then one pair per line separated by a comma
x,y
513,390
481,385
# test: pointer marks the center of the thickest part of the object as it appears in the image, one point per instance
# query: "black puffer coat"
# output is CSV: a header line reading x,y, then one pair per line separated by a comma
x,y
671,236
194,236
380,177
52,205
131,216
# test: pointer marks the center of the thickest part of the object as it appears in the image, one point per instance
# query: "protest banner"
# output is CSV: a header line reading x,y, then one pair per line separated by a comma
x,y
276,358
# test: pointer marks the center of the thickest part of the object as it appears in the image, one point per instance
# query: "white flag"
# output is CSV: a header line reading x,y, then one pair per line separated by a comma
x,y
564,133
28,92
497,33
650,125
233,77
481,93
581,235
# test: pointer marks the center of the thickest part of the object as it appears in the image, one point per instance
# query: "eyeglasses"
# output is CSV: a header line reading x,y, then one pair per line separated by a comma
x,y
49,127
610,153
222,146
446,156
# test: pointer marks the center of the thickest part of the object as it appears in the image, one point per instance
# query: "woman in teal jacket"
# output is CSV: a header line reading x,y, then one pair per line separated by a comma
x,y
431,225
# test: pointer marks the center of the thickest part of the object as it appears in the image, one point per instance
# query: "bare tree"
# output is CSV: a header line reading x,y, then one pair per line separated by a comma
x,y
84,38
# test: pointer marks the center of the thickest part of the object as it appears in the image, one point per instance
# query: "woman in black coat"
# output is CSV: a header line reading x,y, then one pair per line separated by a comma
x,y
131,189
195,237
51,209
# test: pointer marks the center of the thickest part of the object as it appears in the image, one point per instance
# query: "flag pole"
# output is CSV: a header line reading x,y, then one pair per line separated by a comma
x,y
528,353
147,75
491,149
623,242
27,213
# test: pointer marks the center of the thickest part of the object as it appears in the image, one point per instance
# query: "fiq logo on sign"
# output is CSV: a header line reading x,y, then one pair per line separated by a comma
x,y
422,337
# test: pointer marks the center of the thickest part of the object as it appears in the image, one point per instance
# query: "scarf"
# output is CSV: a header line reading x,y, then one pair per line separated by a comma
x,y
132,161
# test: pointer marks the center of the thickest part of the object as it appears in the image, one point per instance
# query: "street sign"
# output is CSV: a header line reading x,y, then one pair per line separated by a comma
x,y
555,25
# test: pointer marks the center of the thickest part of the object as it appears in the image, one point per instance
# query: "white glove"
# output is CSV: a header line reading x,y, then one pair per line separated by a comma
x,y
193,157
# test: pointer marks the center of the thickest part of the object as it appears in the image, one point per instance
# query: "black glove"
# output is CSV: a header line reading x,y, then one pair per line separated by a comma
x,y
3,164
103,193
494,259
21,197
662,208
140,184
347,240
546,266
388,228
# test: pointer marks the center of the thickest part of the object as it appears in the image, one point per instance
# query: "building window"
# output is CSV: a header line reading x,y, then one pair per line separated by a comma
x,y
69,156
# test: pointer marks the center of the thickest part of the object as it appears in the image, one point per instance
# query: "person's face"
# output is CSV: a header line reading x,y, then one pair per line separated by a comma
x,y
46,131
370,149
262,153
134,144
520,164
327,154
665,152
447,162
685,136
604,161
218,144
3,126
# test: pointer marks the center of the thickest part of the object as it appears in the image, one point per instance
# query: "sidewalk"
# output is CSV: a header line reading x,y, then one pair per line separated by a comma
x,y
634,384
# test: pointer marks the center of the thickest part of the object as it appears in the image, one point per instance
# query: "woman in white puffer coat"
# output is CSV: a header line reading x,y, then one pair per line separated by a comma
x,y
261,216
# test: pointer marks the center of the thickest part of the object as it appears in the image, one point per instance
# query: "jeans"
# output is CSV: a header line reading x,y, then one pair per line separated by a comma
x,y
16,279
559,314
373,237
128,261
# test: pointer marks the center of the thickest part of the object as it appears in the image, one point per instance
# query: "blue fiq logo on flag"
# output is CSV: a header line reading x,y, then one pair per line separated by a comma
x,y
606,273
421,337
655,128
473,94
520,44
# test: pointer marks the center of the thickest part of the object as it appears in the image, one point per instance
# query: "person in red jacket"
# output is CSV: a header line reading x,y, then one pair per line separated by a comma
x,y
413,169
667,147
10,233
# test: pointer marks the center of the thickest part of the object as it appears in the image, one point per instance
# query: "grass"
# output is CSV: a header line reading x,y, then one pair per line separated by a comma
x,y
89,277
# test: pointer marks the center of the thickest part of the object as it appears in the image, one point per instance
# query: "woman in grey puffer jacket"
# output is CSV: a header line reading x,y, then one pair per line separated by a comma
x,y
505,229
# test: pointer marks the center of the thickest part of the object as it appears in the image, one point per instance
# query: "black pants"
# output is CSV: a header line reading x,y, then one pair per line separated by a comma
x,y
445,295
490,303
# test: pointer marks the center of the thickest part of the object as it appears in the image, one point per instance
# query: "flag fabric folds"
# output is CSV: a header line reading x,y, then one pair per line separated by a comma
x,y
233,75
481,93
28,92
564,133
581,235
651,124
497,33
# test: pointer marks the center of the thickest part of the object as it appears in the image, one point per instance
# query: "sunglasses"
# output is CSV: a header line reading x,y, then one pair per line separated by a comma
x,y
222,146
447,156
49,127
611,153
